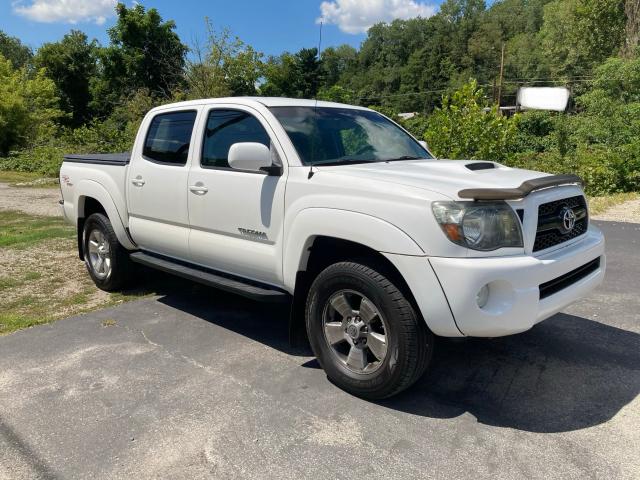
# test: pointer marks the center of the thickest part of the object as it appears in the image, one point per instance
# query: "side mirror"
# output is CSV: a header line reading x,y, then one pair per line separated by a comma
x,y
424,144
251,156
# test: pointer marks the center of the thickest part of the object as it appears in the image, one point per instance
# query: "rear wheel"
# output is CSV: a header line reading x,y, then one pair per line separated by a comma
x,y
107,261
364,331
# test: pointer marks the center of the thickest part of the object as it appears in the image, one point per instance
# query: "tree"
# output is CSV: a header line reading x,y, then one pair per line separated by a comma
x,y
336,62
144,52
293,75
579,34
632,30
280,76
224,66
28,106
71,64
461,128
336,93
609,114
13,50
308,79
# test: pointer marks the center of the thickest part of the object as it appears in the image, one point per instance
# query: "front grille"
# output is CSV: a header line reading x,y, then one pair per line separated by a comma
x,y
550,231
568,279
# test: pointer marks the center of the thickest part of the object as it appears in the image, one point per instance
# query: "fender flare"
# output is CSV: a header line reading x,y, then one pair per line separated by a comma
x,y
93,189
367,230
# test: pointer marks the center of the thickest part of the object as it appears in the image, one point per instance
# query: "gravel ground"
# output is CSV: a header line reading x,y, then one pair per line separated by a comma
x,y
34,201
625,212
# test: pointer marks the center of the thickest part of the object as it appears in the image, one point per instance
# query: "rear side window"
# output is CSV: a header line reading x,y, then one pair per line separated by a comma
x,y
169,136
226,127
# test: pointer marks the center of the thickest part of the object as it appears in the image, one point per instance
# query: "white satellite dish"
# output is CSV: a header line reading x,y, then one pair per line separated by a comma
x,y
543,98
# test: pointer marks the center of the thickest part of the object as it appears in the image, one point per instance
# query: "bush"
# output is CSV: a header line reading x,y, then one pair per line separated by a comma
x,y
45,159
28,106
603,171
463,128
535,130
115,134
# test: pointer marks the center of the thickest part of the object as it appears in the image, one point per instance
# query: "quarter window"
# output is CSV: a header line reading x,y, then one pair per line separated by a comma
x,y
226,127
169,137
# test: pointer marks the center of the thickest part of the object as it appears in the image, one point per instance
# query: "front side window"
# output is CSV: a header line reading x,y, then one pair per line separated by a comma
x,y
226,127
341,136
169,137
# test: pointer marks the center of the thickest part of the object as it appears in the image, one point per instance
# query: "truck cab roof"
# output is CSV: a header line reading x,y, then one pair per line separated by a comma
x,y
258,101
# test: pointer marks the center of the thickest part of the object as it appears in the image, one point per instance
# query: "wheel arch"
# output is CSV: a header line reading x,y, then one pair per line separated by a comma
x,y
323,251
347,226
91,197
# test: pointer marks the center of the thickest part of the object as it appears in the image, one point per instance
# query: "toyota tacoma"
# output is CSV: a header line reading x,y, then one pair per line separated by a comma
x,y
378,246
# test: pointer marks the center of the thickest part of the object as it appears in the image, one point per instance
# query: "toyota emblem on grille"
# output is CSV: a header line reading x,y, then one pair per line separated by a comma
x,y
568,217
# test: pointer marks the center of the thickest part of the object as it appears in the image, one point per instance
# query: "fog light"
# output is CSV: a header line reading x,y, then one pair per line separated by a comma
x,y
482,297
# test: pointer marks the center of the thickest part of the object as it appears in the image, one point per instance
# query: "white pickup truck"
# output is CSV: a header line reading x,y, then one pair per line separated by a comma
x,y
378,246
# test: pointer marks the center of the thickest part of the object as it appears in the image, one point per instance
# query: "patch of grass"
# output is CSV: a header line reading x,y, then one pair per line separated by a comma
x,y
7,176
598,205
20,230
41,277
32,276
77,299
22,301
126,296
27,179
6,282
11,321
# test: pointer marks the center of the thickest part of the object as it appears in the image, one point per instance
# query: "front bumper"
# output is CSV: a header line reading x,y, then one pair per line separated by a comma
x,y
514,303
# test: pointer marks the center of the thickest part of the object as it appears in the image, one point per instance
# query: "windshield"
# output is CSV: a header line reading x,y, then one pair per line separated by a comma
x,y
341,136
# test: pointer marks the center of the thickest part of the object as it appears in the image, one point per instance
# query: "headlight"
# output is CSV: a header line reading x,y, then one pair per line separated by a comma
x,y
479,225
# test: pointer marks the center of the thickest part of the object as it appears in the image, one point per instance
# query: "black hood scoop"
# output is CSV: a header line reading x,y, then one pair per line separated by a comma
x,y
480,166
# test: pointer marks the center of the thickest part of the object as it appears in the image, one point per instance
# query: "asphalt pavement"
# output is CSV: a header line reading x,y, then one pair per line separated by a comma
x,y
195,383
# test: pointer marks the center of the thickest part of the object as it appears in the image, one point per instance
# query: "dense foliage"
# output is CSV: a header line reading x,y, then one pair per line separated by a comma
x,y
76,95
28,106
71,64
462,129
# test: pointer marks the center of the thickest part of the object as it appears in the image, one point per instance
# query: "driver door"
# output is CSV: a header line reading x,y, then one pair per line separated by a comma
x,y
236,216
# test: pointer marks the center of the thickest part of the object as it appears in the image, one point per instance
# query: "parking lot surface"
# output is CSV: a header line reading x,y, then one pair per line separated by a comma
x,y
201,384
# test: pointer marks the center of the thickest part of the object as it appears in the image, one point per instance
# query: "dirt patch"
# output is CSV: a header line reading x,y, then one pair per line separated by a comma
x,y
625,212
34,201
47,281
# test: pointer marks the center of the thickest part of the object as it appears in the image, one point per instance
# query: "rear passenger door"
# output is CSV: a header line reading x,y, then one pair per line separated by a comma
x,y
235,215
157,188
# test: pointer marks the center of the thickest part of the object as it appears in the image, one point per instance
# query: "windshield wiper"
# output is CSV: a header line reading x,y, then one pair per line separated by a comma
x,y
351,161
403,157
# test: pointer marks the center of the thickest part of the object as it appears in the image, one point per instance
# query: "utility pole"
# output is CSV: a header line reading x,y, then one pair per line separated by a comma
x,y
501,76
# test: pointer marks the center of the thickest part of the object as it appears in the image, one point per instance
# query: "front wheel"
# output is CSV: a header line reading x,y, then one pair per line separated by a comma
x,y
364,331
107,261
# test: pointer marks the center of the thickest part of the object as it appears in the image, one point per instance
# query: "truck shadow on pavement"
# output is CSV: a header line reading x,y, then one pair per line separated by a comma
x,y
567,373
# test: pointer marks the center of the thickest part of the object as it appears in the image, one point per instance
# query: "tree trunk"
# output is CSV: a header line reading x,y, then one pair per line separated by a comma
x,y
632,34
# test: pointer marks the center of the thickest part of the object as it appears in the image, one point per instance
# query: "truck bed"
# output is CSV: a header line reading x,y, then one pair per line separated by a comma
x,y
99,158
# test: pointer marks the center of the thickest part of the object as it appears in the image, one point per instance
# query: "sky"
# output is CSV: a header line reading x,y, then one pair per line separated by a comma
x,y
269,26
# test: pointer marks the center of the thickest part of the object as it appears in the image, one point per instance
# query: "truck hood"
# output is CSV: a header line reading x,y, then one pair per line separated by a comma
x,y
447,177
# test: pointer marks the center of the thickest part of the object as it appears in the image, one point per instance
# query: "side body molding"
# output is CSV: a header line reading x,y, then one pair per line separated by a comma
x,y
89,188
366,230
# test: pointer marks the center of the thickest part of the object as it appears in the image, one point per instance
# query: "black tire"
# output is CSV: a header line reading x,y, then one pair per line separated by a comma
x,y
120,265
409,342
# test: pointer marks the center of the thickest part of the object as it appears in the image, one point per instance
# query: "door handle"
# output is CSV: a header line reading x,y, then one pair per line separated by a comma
x,y
138,181
198,189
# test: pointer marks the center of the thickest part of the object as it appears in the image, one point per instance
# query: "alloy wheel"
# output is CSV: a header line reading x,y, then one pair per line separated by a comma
x,y
99,254
355,330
